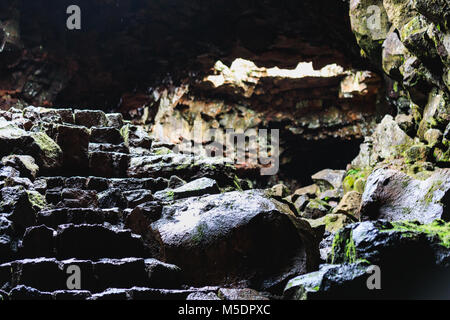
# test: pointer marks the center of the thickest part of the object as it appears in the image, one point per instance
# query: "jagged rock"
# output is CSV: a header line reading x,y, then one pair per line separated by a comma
x,y
6,248
153,184
47,152
350,205
280,191
393,195
417,153
26,293
184,166
136,137
394,248
142,216
25,209
90,118
9,198
406,123
24,164
199,296
310,191
11,137
137,197
301,203
112,198
98,184
15,181
330,195
369,32
382,242
200,235
77,198
332,222
329,179
114,120
387,142
111,295
163,275
8,172
241,294
433,137
331,282
71,295
176,182
316,209
393,55
40,185
105,147
74,142
195,188
436,113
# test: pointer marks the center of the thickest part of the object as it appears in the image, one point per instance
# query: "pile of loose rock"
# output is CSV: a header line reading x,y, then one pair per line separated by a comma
x,y
85,189
93,208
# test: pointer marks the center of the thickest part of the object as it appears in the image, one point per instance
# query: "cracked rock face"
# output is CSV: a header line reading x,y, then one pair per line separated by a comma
x,y
392,195
161,221
114,195
236,236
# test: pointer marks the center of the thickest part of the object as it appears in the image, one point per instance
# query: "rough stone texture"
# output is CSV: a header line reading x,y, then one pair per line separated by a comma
x,y
393,195
235,237
138,204
350,205
195,188
51,67
394,249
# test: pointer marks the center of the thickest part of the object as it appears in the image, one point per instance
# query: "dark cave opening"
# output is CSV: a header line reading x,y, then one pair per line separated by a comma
x,y
309,157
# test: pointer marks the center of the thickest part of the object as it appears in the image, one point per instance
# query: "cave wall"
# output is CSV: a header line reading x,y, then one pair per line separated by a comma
x,y
126,47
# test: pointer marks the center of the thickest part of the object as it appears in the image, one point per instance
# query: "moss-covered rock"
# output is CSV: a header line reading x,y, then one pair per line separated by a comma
x,y
416,153
49,155
370,25
393,195
331,222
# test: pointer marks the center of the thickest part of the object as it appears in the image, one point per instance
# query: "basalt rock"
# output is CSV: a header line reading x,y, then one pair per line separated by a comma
x,y
360,250
195,188
236,236
394,196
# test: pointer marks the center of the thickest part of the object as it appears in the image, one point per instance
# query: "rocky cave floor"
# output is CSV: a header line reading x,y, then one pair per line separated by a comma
x,y
143,222
102,205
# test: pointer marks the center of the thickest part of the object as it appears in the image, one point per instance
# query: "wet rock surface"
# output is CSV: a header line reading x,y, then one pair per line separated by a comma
x,y
236,236
139,236
119,200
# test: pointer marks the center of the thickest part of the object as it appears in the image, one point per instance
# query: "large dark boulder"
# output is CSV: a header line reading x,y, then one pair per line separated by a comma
x,y
237,236
412,261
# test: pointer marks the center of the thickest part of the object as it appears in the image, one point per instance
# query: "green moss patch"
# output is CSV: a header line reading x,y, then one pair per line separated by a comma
x,y
438,228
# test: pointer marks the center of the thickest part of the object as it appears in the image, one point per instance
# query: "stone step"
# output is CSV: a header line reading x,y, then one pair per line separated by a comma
x,y
22,292
83,241
101,184
55,217
49,274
